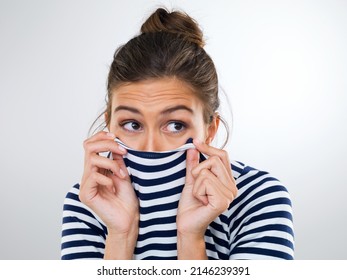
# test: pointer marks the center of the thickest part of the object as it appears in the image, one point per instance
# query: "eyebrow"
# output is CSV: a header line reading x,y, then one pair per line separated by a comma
x,y
164,112
127,108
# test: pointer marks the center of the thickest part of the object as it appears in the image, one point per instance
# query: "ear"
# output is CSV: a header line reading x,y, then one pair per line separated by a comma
x,y
105,116
212,129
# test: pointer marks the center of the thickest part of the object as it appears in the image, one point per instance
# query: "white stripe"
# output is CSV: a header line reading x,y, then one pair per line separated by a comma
x,y
161,214
249,256
219,248
272,221
81,249
79,237
82,217
212,254
160,227
74,225
268,233
157,240
237,165
160,201
269,246
161,187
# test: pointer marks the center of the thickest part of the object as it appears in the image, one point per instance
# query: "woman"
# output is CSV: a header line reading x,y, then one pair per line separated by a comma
x,y
163,90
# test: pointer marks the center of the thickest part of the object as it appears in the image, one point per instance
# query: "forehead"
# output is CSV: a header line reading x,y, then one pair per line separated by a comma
x,y
155,92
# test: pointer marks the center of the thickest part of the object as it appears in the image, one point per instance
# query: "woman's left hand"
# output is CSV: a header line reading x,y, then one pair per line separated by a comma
x,y
208,191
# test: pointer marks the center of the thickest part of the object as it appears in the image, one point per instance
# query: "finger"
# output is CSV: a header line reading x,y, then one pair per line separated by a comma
x,y
211,151
122,167
105,145
210,191
101,135
96,162
191,162
216,166
90,188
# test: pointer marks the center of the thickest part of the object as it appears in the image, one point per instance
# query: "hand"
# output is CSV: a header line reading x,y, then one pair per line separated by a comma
x,y
106,186
208,191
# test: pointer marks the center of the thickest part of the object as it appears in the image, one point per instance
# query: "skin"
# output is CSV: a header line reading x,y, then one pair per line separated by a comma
x,y
156,115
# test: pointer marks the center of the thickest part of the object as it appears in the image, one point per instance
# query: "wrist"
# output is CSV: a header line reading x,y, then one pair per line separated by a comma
x,y
191,246
121,245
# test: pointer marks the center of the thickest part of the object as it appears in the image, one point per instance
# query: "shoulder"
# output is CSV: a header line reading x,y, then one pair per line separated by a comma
x,y
74,210
257,183
260,217
83,233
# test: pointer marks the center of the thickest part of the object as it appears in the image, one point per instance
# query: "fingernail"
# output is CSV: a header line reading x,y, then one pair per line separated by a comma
x,y
122,149
111,135
122,173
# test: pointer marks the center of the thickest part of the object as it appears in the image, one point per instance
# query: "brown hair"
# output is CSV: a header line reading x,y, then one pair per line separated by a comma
x,y
170,45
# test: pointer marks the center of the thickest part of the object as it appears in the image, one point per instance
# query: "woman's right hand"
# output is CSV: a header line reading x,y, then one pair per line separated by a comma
x,y
106,186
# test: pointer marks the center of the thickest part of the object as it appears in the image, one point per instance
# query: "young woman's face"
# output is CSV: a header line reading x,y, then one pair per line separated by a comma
x,y
158,115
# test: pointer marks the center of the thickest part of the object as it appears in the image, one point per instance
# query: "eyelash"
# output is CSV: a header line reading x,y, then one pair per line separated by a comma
x,y
184,126
124,123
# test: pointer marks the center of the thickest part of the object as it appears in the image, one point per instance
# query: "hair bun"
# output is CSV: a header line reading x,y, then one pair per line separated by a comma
x,y
174,22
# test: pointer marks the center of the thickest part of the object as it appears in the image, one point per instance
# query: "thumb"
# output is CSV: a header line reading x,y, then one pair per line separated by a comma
x,y
192,161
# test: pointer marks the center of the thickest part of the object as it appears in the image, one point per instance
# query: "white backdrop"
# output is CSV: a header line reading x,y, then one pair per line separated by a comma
x,y
283,65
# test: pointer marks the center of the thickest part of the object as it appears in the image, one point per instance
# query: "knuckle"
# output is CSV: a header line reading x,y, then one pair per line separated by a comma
x,y
224,154
94,176
204,173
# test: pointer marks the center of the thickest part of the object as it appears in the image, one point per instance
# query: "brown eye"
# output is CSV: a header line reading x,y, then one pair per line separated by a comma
x,y
131,126
175,127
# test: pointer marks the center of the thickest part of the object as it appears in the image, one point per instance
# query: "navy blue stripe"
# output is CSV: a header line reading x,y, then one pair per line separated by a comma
x,y
159,233
83,255
159,258
156,246
219,227
82,231
262,251
212,248
221,242
159,207
78,209
271,239
81,243
269,215
73,196
157,221
158,181
149,155
96,229
237,169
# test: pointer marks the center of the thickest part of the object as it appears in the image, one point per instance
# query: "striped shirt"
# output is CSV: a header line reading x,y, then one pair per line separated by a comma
x,y
257,225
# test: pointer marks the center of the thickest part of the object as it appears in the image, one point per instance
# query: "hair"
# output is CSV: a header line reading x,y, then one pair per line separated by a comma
x,y
170,45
